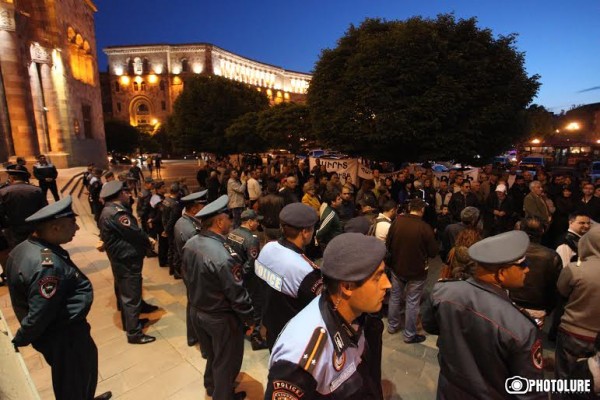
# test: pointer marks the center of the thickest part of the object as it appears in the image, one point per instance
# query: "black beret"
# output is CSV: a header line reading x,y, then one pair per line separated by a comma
x,y
298,215
352,257
358,225
59,209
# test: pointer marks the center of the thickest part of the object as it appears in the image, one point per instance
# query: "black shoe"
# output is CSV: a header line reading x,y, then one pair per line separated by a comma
x,y
177,276
192,342
104,396
415,339
258,343
142,339
239,395
151,254
148,308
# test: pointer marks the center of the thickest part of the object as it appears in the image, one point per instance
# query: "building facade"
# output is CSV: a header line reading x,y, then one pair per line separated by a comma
x,y
143,81
50,100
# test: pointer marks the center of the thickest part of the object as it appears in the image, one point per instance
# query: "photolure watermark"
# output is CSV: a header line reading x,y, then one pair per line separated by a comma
x,y
520,385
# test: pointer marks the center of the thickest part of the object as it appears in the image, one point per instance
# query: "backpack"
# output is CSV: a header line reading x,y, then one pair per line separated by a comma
x,y
373,226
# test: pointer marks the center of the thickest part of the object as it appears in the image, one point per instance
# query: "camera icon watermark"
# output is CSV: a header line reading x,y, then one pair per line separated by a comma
x,y
516,385
520,385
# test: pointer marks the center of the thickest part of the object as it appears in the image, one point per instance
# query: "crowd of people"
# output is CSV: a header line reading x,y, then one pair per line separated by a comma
x,y
300,262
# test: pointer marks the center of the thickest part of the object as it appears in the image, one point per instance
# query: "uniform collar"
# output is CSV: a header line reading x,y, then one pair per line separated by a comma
x,y
211,234
342,334
488,287
55,248
289,245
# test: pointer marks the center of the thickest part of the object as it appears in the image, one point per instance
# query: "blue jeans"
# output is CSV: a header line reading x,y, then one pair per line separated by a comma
x,y
405,303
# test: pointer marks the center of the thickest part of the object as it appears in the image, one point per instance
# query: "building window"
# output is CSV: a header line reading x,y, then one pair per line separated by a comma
x,y
118,107
145,66
162,85
138,67
143,85
163,105
136,87
185,66
117,87
143,109
86,112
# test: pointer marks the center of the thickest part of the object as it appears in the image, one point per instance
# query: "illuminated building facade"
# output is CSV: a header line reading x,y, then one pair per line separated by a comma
x,y
50,101
143,81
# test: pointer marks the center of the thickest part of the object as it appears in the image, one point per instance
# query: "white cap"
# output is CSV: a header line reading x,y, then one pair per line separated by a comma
x,y
501,188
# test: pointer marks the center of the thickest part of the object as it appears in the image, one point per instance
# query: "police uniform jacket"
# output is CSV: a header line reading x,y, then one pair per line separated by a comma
x,y
483,340
143,204
213,273
47,290
42,172
125,242
17,202
185,228
246,245
293,282
171,212
320,356
94,187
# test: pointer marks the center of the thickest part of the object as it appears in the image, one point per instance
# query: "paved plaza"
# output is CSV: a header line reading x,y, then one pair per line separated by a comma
x,y
168,368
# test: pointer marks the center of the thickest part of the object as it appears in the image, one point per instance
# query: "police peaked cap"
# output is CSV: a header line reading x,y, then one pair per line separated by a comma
x,y
352,257
218,206
197,197
111,188
60,209
501,249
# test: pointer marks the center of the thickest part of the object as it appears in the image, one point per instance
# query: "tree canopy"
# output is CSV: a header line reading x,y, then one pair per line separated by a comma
x,y
206,107
121,137
421,89
285,126
242,135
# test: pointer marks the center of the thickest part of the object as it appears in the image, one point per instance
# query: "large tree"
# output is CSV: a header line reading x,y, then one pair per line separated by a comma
x,y
540,122
421,89
242,136
121,137
206,107
285,126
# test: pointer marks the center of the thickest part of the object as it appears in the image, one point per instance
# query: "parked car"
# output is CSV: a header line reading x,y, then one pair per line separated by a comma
x,y
120,160
532,162
190,157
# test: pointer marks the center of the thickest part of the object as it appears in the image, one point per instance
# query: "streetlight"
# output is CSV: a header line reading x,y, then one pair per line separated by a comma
x,y
573,126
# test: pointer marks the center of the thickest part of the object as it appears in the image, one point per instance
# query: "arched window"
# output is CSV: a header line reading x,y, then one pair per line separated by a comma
x,y
130,67
143,85
145,66
185,66
142,109
136,87
138,66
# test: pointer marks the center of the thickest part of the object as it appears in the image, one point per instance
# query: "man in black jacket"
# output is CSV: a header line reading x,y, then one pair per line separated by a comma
x,y
46,175
218,300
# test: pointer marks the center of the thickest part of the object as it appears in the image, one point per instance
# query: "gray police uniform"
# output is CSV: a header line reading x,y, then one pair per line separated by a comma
x,y
51,298
126,245
293,279
219,306
247,245
320,356
484,338
185,228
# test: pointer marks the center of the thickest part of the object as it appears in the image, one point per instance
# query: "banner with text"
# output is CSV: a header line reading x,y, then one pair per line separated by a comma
x,y
346,168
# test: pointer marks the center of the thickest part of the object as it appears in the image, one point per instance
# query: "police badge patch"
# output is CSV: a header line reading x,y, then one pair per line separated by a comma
x,y
237,272
536,354
339,362
283,390
47,286
254,252
124,220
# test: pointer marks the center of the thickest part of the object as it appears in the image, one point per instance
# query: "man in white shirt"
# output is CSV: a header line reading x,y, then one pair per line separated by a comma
x,y
579,223
254,189
384,219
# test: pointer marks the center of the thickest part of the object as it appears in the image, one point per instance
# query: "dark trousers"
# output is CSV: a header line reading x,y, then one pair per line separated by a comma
x,y
221,337
163,250
569,349
173,256
53,189
73,358
129,296
256,289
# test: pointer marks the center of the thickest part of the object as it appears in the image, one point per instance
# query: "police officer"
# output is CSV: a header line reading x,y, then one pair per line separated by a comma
x,y
46,175
51,298
293,279
94,188
476,320
143,203
171,212
247,245
324,352
219,302
18,200
185,228
126,245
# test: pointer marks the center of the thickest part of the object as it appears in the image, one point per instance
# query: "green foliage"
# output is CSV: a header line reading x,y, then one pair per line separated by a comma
x,y
285,126
421,89
121,137
540,123
242,137
206,107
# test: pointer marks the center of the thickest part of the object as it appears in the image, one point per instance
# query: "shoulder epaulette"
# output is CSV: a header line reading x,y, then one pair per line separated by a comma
x,y
313,350
235,238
